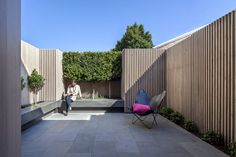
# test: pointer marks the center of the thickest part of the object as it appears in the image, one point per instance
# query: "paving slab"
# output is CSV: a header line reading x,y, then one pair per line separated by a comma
x,y
102,134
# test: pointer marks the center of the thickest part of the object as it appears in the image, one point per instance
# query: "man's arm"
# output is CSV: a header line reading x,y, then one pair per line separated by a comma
x,y
68,91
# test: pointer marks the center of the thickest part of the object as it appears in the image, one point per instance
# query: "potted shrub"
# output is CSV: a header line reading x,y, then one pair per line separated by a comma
x,y
22,83
35,83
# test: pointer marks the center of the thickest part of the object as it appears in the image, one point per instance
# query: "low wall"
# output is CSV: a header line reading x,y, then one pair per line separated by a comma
x,y
107,89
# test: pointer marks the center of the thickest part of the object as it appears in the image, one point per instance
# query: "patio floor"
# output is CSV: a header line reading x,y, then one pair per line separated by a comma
x,y
99,134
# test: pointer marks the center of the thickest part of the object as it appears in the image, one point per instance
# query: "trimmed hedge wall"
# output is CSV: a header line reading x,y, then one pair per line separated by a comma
x,y
92,66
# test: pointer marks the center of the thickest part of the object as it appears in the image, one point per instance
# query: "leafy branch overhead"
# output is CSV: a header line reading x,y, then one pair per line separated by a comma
x,y
134,37
92,66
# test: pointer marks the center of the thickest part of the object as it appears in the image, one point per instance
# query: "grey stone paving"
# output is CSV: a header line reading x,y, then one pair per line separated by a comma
x,y
99,134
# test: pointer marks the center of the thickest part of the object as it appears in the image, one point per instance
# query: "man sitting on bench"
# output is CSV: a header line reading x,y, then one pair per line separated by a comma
x,y
72,91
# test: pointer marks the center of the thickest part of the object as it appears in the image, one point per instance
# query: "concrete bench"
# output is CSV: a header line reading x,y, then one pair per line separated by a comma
x,y
37,111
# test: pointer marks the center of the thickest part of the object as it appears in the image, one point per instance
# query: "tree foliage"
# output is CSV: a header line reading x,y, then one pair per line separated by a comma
x,y
134,37
35,81
92,66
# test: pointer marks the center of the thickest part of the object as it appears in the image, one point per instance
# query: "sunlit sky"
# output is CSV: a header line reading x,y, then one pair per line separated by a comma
x,y
96,25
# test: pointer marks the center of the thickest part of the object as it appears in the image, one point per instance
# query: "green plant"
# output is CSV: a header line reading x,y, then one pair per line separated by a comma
x,y
232,149
190,126
165,112
177,118
134,37
35,83
92,66
213,138
23,83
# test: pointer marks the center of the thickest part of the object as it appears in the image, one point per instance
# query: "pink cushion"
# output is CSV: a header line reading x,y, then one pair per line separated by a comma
x,y
140,108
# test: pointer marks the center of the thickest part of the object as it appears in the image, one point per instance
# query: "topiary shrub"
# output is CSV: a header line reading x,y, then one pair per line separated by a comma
x,y
177,118
190,126
213,138
35,83
165,112
232,149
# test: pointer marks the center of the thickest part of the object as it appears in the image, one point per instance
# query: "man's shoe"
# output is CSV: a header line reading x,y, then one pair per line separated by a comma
x,y
70,108
65,113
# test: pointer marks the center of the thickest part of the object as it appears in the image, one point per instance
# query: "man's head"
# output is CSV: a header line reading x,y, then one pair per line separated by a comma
x,y
73,83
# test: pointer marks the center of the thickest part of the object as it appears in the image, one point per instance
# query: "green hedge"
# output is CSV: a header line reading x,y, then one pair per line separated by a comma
x,y
92,66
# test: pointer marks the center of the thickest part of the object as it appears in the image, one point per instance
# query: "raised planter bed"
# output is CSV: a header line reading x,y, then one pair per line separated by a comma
x,y
116,105
33,113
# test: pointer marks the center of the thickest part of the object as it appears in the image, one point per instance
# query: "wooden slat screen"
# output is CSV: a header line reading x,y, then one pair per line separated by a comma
x,y
198,74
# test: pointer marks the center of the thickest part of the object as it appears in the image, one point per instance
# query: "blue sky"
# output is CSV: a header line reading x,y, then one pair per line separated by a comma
x,y
96,25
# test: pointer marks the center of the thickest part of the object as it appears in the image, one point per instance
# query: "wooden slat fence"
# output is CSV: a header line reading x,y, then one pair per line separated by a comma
x,y
50,66
142,69
198,74
48,62
201,77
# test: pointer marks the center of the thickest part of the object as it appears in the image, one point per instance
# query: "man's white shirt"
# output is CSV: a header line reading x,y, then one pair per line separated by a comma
x,y
75,91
